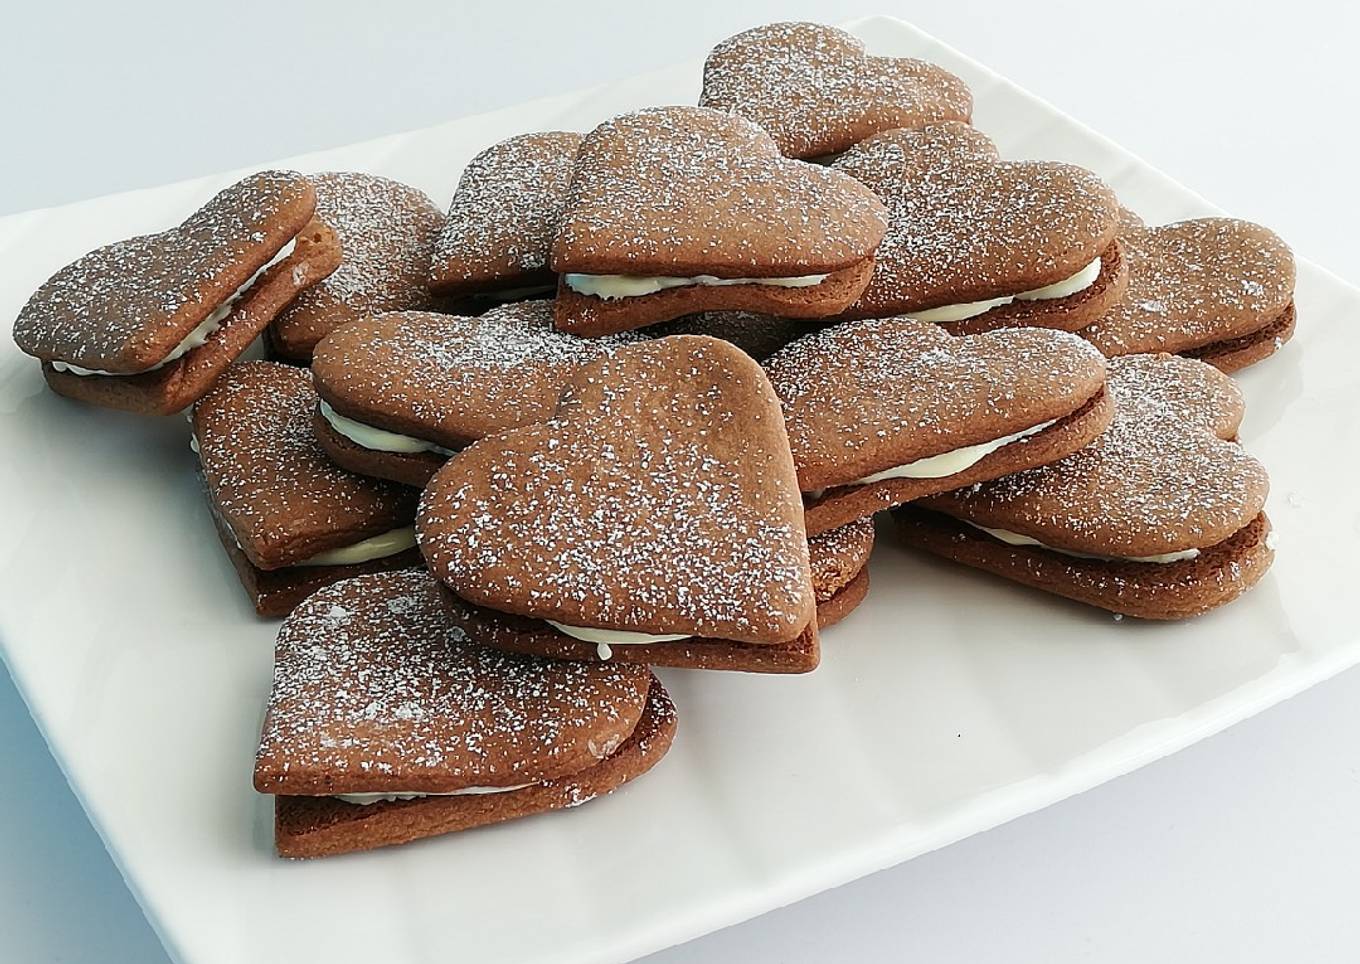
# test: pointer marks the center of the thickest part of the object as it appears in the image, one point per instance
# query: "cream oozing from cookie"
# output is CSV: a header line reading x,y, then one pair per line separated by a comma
x,y
377,439
953,461
611,287
365,550
1019,539
196,338
1080,281
605,638
391,796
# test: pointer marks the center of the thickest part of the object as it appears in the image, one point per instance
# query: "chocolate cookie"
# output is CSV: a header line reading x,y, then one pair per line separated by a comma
x,y
148,324
976,243
401,392
1160,517
840,569
658,505
290,519
1216,289
370,668
679,210
884,411
387,230
503,217
817,92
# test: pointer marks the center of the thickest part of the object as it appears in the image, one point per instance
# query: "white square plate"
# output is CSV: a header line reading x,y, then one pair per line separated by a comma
x,y
948,703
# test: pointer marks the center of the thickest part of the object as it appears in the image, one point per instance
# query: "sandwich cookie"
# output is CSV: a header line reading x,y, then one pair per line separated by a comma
x,y
387,724
400,393
885,411
1161,517
148,324
1216,289
655,518
678,210
818,93
840,569
289,518
503,217
976,243
387,230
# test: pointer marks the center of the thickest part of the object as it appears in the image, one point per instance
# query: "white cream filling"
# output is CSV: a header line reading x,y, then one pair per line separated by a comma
x,y
374,547
953,461
364,799
612,286
1059,289
196,338
377,439
605,638
1017,539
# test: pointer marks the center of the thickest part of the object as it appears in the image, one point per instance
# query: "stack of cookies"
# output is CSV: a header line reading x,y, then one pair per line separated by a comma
x,y
636,399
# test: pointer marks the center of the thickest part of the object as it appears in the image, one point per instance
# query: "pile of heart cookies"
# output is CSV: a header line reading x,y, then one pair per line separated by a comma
x,y
636,399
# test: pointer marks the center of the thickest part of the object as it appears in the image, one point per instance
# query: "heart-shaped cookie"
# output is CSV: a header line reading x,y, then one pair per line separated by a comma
x,y
1160,517
883,411
147,324
386,230
678,210
660,499
371,667
817,92
978,243
1217,289
504,215
400,392
290,519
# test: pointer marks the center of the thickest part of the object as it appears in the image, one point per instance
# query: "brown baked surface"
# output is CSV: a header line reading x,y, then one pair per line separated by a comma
x,y
1164,477
1175,590
504,215
453,379
685,191
965,226
387,230
409,468
817,92
324,826
844,602
522,634
589,316
1196,283
270,481
841,505
1235,354
276,592
125,306
862,397
661,498
1072,313
839,555
760,336
175,386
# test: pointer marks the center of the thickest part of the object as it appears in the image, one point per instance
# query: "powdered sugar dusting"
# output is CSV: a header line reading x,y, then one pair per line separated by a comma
x,y
505,212
660,500
459,378
867,395
1193,283
1162,478
109,309
814,89
375,689
964,226
268,478
685,190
